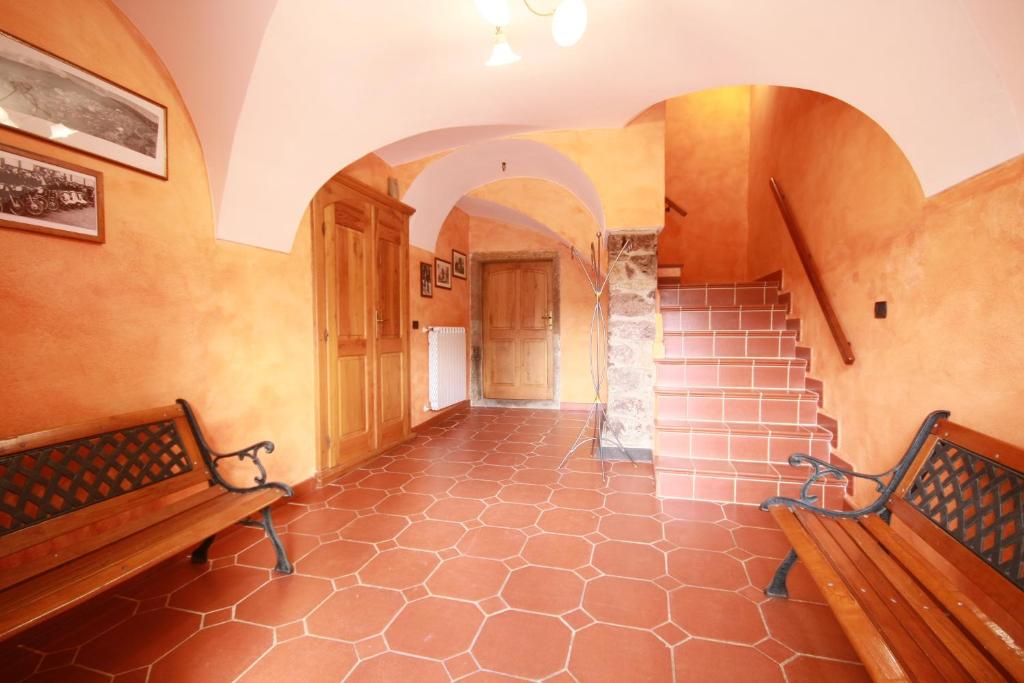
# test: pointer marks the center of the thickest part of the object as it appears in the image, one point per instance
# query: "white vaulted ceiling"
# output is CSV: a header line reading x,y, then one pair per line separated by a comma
x,y
286,92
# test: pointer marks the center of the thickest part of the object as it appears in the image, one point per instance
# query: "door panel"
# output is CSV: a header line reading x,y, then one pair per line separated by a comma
x,y
350,307
392,377
518,340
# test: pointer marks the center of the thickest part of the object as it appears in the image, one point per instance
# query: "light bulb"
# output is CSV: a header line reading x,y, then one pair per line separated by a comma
x,y
494,12
502,53
569,23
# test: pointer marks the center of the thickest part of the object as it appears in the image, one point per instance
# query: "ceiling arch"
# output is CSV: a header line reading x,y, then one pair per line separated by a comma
x,y
443,183
326,81
484,208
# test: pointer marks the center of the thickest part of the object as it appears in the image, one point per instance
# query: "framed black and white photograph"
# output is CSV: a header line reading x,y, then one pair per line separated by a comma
x,y
47,195
47,97
458,264
443,271
426,280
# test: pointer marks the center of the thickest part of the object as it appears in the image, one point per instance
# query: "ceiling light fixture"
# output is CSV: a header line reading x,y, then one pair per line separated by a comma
x,y
568,23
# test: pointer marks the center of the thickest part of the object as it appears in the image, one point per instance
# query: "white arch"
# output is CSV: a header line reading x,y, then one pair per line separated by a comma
x,y
436,190
333,80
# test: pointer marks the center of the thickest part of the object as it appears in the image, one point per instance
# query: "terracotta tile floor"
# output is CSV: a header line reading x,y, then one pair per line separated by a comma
x,y
465,555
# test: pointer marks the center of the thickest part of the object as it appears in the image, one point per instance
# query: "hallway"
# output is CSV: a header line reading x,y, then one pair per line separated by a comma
x,y
465,555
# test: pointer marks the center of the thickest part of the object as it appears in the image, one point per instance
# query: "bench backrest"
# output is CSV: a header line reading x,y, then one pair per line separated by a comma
x,y
59,481
971,487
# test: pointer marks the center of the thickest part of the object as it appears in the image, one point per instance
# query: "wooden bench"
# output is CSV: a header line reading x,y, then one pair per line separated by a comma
x,y
85,507
928,580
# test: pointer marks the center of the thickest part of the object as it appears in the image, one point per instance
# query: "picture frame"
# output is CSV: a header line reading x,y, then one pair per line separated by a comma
x,y
459,268
426,280
442,273
97,116
51,196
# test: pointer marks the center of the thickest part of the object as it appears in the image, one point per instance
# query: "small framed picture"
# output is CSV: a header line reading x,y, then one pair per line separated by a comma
x,y
426,280
47,195
458,264
443,271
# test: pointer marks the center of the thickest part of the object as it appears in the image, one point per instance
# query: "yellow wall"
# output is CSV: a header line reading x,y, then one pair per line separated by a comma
x,y
549,203
161,310
949,266
447,308
707,145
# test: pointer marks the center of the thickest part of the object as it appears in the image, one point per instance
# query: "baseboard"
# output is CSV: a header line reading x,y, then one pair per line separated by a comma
x,y
441,415
614,453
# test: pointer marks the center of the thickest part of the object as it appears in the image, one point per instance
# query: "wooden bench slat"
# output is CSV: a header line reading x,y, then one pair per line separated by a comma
x,y
928,609
903,637
996,586
113,423
17,574
1004,646
72,583
871,647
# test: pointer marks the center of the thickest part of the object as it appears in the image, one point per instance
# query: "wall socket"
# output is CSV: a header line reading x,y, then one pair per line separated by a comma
x,y
881,309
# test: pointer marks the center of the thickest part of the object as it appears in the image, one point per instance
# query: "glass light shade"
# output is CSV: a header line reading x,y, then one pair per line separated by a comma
x,y
502,53
569,23
494,12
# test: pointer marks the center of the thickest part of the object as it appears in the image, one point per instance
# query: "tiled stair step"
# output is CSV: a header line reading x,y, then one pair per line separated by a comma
x,y
755,406
731,343
736,441
743,483
737,294
752,317
731,373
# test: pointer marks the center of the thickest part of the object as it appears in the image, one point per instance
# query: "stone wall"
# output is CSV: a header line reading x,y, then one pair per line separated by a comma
x,y
632,283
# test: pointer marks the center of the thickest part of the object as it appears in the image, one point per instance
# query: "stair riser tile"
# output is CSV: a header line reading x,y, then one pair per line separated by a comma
x,y
736,447
682,321
731,376
679,486
720,296
738,409
730,347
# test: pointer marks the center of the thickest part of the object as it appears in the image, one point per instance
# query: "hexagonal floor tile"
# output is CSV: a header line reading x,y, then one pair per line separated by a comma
x,y
634,560
392,666
219,653
492,542
705,661
558,550
430,534
612,654
434,627
398,568
139,641
722,615
355,613
219,588
542,589
469,578
307,659
627,602
283,600
522,644
335,559
706,568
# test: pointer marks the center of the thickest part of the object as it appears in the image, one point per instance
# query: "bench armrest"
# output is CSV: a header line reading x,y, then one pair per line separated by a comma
x,y
213,458
885,482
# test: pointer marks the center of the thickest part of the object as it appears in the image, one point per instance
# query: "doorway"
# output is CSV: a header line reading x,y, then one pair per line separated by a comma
x,y
515,316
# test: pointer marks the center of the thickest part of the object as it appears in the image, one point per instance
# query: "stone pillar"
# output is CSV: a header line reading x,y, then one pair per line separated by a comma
x,y
632,284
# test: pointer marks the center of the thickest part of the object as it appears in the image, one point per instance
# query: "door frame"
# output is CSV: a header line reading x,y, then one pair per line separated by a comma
x,y
476,317
329,193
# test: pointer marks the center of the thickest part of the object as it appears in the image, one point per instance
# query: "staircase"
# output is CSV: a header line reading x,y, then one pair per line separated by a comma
x,y
732,401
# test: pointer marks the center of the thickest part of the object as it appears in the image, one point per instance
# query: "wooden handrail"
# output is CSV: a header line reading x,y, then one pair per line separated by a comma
x,y
845,350
672,206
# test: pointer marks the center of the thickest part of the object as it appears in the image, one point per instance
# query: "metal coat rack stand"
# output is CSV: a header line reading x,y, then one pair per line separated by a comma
x,y
596,415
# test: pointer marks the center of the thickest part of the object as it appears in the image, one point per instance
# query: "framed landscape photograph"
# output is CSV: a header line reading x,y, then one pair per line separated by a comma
x,y
47,195
426,280
443,270
458,264
44,96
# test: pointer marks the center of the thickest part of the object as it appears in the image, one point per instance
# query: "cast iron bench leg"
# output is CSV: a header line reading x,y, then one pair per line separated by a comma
x,y
199,555
777,588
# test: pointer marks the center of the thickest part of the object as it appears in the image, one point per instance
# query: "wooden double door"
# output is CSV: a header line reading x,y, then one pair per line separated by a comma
x,y
518,335
366,259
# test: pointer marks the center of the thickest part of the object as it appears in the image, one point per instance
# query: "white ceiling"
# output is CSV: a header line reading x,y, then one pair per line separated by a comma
x,y
286,92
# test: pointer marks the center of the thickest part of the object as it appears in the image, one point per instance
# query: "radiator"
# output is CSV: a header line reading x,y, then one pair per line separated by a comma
x,y
446,348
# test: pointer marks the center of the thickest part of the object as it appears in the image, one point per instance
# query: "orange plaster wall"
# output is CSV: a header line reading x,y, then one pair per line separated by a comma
x,y
707,146
161,310
372,170
447,308
949,266
576,303
547,202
